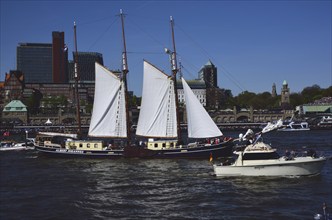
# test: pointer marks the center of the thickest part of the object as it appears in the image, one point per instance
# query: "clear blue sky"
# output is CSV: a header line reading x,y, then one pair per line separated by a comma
x,y
253,43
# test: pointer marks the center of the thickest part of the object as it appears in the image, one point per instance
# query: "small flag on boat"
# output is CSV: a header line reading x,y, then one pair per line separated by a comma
x,y
6,134
211,158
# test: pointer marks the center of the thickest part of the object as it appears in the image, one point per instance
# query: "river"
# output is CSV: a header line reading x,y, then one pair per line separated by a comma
x,y
37,187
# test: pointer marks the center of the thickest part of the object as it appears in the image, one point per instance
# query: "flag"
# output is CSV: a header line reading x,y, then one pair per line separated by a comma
x,y
6,134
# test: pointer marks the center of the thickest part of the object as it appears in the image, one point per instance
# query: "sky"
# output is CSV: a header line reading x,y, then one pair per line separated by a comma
x,y
252,43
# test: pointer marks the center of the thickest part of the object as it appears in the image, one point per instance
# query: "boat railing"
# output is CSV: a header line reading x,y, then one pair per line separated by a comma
x,y
307,153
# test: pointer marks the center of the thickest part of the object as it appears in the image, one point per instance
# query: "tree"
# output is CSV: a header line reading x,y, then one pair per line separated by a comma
x,y
296,99
309,93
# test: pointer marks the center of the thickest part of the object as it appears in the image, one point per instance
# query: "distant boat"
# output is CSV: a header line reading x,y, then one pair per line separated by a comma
x,y
325,120
295,126
260,159
12,146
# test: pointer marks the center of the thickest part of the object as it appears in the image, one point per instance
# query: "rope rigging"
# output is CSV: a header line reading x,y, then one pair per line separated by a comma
x,y
188,63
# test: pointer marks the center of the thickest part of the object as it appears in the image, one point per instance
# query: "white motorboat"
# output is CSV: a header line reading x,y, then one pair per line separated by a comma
x,y
259,159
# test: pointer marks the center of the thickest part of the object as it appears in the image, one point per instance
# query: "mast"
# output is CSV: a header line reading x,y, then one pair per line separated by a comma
x,y
76,76
124,75
175,70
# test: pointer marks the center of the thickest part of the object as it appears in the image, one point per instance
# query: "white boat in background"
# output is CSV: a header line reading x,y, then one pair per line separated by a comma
x,y
325,120
295,126
9,146
260,159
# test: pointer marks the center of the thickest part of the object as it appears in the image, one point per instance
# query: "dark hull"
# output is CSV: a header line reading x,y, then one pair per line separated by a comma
x,y
60,152
224,149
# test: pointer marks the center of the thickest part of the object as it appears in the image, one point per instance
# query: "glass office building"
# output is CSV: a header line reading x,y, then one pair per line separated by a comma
x,y
35,61
86,66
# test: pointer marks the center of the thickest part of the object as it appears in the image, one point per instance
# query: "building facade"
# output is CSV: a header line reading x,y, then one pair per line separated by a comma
x,y
59,58
13,85
197,86
208,73
35,61
86,66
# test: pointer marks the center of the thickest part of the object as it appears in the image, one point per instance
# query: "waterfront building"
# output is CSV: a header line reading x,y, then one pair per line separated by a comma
x,y
34,60
319,107
86,66
59,58
249,115
15,111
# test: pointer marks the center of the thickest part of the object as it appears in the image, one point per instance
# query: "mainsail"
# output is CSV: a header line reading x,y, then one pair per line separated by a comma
x,y
109,110
157,116
200,124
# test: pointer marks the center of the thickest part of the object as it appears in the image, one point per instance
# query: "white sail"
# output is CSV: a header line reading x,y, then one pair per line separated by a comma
x,y
109,109
157,116
200,124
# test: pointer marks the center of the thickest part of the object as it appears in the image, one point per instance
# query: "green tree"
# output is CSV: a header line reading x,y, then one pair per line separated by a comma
x,y
309,93
296,99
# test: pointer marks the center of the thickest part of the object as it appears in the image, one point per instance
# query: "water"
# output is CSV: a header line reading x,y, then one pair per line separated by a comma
x,y
35,187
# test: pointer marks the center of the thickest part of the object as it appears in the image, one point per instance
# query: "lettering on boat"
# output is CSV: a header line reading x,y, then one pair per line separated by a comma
x,y
70,151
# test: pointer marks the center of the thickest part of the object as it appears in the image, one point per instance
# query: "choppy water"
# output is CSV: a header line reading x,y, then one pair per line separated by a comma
x,y
35,187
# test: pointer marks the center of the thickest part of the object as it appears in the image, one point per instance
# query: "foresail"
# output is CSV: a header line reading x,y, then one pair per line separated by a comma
x,y
157,116
109,110
200,124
